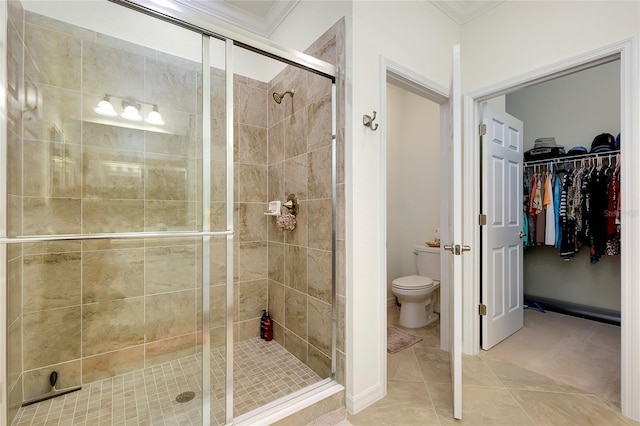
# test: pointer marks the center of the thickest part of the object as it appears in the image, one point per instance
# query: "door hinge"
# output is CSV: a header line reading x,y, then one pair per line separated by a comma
x,y
482,129
482,219
482,310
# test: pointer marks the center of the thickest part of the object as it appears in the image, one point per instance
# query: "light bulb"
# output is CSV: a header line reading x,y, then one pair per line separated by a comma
x,y
105,108
131,113
154,117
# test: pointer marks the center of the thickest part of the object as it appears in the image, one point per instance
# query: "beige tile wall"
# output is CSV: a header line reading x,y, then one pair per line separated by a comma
x,y
99,308
299,159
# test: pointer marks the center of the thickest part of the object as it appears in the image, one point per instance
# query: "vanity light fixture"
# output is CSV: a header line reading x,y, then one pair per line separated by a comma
x,y
131,111
154,117
105,107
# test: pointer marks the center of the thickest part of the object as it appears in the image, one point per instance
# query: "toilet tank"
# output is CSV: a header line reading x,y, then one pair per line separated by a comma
x,y
428,261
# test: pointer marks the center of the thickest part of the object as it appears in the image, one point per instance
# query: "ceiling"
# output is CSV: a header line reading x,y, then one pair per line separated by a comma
x,y
263,16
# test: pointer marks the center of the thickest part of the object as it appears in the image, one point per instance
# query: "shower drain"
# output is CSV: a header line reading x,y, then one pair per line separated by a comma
x,y
185,396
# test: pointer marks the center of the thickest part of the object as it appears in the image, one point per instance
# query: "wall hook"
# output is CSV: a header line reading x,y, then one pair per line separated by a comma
x,y
367,120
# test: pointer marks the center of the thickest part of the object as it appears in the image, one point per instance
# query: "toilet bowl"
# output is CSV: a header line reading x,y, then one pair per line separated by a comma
x,y
416,293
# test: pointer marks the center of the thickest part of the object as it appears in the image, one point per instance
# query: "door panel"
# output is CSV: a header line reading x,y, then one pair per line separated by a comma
x,y
502,246
455,232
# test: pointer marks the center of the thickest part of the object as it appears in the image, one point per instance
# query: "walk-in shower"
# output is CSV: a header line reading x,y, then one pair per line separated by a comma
x,y
137,168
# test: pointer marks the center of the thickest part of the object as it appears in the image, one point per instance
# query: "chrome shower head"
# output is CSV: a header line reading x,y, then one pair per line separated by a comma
x,y
279,96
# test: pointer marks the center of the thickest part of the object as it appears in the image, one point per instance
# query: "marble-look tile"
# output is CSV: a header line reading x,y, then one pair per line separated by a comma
x,y
112,274
295,312
319,362
252,261
170,85
14,251
51,337
112,173
406,403
248,329
170,178
36,382
252,224
515,377
276,262
276,143
476,373
276,182
111,326
168,269
112,244
14,397
298,83
170,349
170,215
219,181
299,236
51,216
275,234
14,164
43,21
51,281
218,265
14,351
320,173
52,247
295,345
113,137
56,115
218,337
342,321
15,13
161,320
251,144
319,126
482,406
54,169
320,274
252,299
121,45
52,57
276,301
14,289
104,215
184,142
277,112
15,216
319,91
295,271
403,365
250,105
320,324
296,176
15,79
252,184
279,333
111,364
434,364
218,95
295,134
340,155
108,70
566,409
320,224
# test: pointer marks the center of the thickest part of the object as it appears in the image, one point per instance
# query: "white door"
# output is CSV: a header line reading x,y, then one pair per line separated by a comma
x,y
454,257
501,239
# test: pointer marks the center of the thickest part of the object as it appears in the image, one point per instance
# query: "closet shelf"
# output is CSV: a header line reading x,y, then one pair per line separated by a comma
x,y
566,158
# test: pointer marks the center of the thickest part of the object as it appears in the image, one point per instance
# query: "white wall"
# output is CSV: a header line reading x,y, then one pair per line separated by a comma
x,y
413,178
573,109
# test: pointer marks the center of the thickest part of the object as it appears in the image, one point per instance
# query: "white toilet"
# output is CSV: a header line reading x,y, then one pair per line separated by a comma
x,y
416,293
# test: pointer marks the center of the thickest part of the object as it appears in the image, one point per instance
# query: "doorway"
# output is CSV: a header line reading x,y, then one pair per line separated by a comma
x,y
625,53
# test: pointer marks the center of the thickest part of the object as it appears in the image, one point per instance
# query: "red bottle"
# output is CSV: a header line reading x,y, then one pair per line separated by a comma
x,y
268,328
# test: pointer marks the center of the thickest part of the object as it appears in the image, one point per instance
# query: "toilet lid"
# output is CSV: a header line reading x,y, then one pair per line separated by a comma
x,y
412,282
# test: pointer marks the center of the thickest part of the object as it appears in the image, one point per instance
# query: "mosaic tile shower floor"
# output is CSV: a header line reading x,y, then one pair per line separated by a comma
x,y
263,372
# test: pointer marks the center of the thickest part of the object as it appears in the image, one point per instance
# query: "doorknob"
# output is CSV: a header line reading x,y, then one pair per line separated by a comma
x,y
522,234
449,247
466,248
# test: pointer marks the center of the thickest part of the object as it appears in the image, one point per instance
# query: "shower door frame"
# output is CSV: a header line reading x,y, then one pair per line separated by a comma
x,y
232,36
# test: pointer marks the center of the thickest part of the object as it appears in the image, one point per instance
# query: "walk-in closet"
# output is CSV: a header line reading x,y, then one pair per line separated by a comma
x,y
571,229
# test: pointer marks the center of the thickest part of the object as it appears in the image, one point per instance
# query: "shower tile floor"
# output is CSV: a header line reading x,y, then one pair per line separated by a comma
x,y
263,372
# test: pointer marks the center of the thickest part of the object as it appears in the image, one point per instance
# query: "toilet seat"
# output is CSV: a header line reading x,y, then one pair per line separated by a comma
x,y
412,282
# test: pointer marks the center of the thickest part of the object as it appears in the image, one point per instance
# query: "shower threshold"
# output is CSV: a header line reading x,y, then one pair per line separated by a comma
x,y
264,373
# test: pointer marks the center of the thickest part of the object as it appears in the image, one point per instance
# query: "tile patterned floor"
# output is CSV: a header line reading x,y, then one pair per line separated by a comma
x,y
495,391
263,372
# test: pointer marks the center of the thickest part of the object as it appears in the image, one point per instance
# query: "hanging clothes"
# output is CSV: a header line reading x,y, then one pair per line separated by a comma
x,y
557,190
550,214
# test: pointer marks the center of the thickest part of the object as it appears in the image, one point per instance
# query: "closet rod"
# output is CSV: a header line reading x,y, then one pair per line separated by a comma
x,y
572,157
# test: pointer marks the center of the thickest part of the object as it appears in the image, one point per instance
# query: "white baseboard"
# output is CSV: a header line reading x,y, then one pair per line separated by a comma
x,y
357,403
